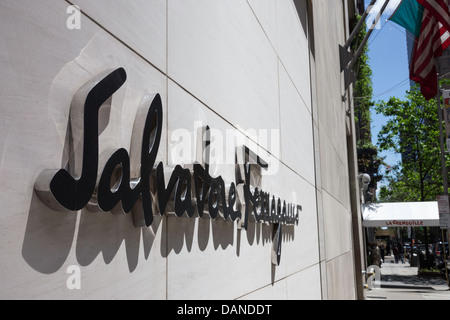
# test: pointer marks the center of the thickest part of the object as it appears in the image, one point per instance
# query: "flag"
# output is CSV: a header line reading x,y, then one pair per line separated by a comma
x,y
440,9
434,38
409,14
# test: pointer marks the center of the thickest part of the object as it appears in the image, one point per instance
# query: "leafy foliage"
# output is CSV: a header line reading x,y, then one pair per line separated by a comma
x,y
412,130
368,159
362,89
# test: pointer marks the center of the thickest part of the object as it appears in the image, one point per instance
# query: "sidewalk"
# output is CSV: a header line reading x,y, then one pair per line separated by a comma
x,y
401,282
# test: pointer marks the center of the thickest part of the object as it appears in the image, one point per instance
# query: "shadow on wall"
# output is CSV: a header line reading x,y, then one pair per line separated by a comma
x,y
49,236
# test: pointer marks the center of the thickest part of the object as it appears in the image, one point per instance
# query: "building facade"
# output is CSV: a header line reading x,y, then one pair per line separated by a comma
x,y
177,149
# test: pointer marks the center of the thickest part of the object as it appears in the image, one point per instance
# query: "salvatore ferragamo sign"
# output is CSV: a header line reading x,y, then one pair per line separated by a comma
x,y
134,182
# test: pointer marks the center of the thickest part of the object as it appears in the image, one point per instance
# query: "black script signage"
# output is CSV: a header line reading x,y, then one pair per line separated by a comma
x,y
134,182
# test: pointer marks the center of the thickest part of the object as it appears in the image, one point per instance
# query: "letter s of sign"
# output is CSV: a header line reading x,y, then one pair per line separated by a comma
x,y
146,140
57,188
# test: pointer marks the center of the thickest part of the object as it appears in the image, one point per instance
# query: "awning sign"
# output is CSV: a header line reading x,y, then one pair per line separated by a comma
x,y
405,223
401,214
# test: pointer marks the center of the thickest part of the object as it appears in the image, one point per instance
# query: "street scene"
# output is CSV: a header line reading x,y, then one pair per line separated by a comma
x,y
401,281
405,205
231,150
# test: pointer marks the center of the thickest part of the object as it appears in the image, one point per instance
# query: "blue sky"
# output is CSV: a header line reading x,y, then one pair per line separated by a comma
x,y
389,63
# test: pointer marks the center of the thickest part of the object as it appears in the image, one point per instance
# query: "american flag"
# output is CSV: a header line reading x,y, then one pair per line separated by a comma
x,y
433,40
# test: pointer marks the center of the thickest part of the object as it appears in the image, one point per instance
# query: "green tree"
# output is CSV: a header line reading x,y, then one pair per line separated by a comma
x,y
411,130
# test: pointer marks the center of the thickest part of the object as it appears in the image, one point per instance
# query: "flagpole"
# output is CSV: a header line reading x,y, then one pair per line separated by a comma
x,y
363,43
441,140
443,164
358,26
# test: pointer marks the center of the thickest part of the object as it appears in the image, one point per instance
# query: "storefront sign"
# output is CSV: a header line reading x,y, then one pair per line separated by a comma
x,y
405,223
135,182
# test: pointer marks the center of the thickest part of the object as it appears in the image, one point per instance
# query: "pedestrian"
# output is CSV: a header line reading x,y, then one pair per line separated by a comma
x,y
402,253
396,252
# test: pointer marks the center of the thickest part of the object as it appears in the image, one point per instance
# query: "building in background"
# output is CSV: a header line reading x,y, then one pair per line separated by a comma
x,y
259,74
444,64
